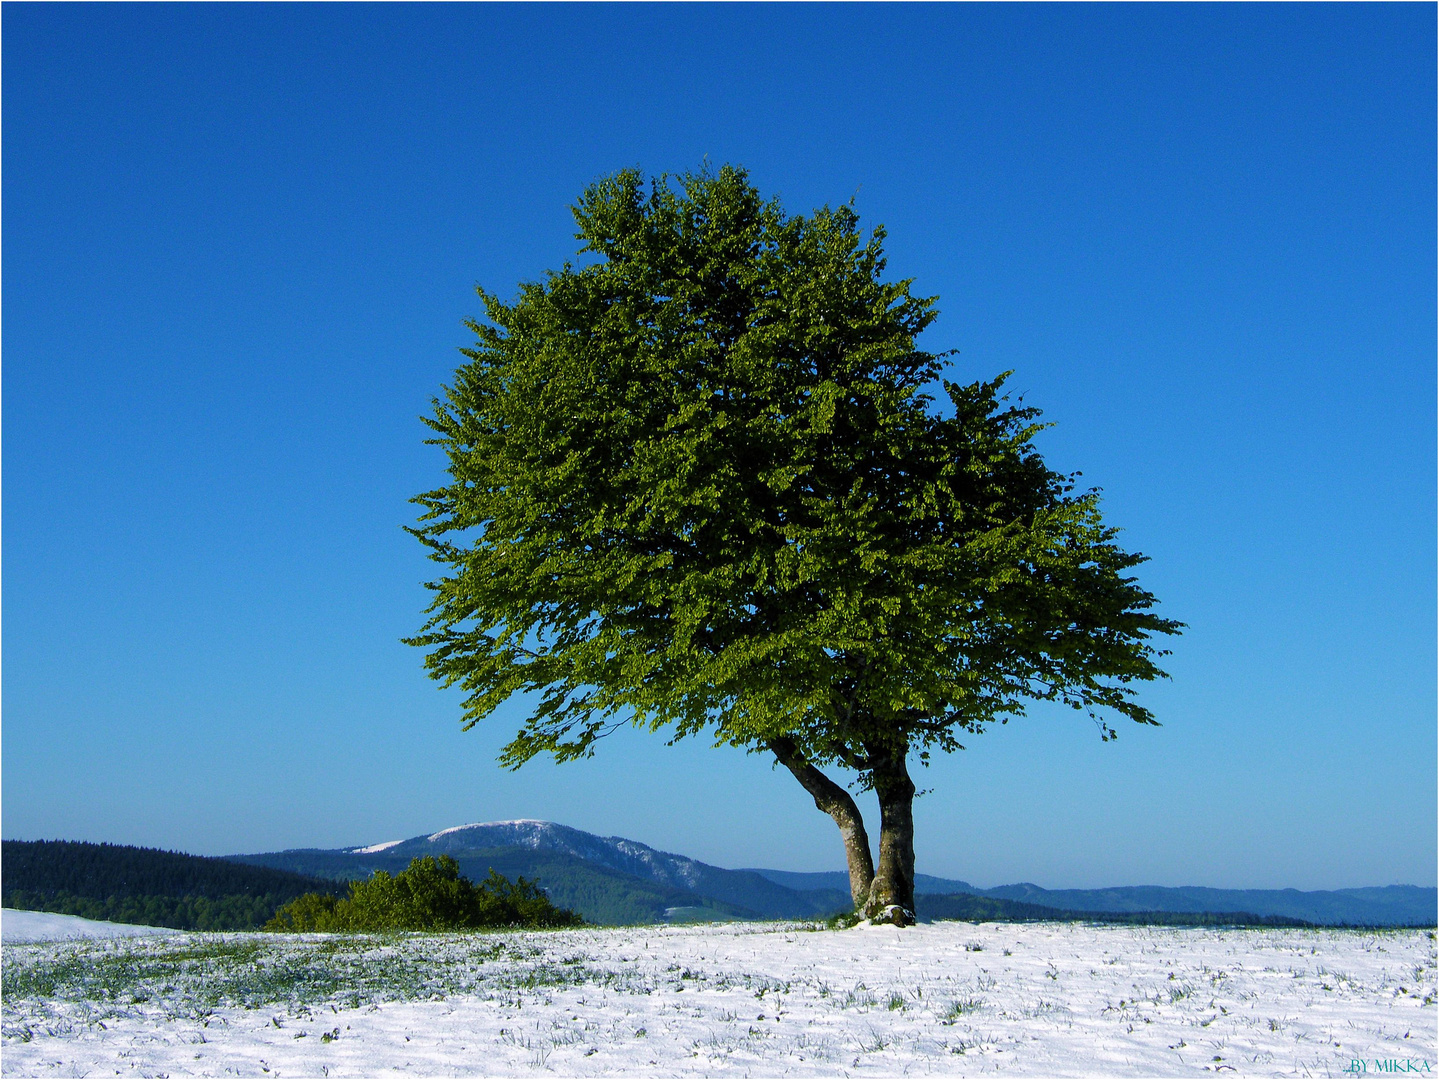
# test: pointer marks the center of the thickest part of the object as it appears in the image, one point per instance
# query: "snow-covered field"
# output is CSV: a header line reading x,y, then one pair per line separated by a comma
x,y
738,999
17,926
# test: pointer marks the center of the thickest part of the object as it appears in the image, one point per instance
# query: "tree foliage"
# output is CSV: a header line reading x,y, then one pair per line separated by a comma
x,y
706,480
430,894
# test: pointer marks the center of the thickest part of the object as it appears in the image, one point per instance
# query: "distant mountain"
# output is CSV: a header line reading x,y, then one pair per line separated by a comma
x,y
600,894
742,888
616,880
606,879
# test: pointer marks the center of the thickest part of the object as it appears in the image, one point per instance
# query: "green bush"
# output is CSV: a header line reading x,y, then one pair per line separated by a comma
x,y
429,894
312,911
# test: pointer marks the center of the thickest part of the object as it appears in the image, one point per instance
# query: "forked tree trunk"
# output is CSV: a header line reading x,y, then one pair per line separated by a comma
x,y
891,897
837,803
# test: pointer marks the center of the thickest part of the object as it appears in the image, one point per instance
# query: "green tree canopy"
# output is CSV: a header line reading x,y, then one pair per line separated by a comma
x,y
429,894
702,481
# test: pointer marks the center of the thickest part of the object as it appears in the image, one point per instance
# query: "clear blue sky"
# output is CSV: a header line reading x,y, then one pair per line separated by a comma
x,y
239,242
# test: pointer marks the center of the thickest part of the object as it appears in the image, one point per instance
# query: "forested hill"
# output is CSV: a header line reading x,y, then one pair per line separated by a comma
x,y
100,870
143,885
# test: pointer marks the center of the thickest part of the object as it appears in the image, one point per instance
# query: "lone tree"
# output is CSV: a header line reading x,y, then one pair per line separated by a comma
x,y
696,483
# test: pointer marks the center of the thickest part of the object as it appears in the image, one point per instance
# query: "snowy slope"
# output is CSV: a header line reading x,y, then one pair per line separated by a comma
x,y
26,926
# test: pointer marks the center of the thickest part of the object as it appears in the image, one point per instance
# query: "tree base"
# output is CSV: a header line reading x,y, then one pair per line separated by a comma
x,y
891,915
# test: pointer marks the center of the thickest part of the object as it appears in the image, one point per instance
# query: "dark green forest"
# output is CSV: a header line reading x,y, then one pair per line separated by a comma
x,y
117,883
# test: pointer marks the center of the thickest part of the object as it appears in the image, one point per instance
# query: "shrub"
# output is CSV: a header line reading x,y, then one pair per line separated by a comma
x,y
312,911
429,894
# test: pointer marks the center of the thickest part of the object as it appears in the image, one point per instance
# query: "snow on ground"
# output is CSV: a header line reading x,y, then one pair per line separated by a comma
x,y
17,926
1052,999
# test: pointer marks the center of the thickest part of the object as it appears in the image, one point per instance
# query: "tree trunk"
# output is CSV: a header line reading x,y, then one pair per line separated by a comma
x,y
837,803
891,896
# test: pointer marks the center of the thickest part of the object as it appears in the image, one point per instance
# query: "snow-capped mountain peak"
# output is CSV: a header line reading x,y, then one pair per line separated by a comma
x,y
490,825
615,852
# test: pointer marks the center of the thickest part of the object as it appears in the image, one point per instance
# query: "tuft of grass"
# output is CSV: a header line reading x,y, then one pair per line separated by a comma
x,y
874,1044
961,1007
853,1000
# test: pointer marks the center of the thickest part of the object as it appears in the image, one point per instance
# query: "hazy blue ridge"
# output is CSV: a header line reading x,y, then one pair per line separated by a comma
x,y
1389,905
838,881
971,908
